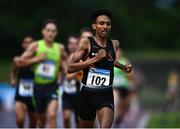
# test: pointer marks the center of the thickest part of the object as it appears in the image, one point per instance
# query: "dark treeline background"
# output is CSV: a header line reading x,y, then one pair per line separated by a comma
x,y
137,24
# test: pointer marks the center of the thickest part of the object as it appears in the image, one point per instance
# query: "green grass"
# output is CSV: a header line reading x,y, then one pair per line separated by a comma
x,y
164,120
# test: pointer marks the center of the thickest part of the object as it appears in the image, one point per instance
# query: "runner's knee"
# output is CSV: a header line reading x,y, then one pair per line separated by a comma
x,y
52,115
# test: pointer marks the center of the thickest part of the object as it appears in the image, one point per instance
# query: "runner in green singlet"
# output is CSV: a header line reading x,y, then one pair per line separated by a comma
x,y
47,56
121,89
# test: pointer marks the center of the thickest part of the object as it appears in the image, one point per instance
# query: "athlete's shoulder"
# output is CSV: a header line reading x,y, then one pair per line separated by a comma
x,y
61,46
63,51
33,46
115,42
84,42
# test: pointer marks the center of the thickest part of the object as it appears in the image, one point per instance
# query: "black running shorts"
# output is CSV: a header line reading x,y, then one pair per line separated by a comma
x,y
93,100
44,94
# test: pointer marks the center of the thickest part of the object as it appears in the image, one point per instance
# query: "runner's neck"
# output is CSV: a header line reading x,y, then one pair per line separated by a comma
x,y
48,43
101,41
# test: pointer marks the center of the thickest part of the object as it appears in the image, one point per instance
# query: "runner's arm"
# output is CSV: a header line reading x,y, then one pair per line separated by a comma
x,y
62,69
63,59
124,68
30,51
72,75
13,75
27,58
63,53
75,65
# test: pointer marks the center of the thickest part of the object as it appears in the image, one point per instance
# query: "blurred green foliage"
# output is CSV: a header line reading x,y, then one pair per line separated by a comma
x,y
164,120
5,69
137,24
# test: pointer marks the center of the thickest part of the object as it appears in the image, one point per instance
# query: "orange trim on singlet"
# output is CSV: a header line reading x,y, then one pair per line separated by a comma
x,y
79,75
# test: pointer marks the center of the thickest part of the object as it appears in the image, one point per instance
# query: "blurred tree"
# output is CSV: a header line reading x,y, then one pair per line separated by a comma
x,y
138,24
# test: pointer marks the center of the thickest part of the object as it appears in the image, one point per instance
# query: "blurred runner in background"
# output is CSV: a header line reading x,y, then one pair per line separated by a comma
x,y
121,89
47,57
71,86
22,79
86,32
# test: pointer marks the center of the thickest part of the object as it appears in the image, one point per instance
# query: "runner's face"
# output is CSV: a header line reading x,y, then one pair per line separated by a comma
x,y
49,32
72,44
102,26
27,42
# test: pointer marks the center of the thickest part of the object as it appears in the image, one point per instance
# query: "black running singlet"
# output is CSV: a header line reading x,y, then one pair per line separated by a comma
x,y
26,72
100,75
25,81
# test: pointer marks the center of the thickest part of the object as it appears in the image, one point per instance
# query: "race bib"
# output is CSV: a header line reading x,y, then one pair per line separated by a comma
x,y
26,87
98,77
46,69
70,87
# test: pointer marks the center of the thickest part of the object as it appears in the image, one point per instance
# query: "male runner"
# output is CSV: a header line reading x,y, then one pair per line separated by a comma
x,y
22,78
99,59
71,86
86,32
47,56
121,90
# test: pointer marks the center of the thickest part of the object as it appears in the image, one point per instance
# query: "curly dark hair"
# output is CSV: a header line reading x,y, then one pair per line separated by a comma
x,y
100,12
50,20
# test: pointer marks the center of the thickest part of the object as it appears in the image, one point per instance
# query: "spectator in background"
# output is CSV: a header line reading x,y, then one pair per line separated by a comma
x,y
172,88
